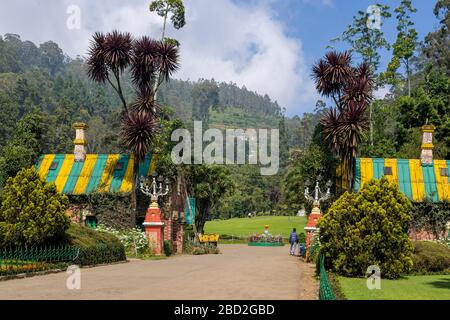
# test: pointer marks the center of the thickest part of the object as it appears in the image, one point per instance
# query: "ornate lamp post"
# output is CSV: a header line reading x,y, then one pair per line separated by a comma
x,y
318,194
154,189
153,225
311,226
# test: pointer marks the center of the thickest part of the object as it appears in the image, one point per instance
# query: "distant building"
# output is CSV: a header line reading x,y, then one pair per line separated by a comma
x,y
79,173
417,178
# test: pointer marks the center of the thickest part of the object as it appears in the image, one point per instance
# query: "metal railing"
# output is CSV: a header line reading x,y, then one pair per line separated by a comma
x,y
325,290
17,261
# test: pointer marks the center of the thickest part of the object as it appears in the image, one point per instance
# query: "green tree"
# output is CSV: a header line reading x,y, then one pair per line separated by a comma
x,y
368,228
164,8
429,100
8,118
205,95
23,148
32,211
405,45
435,48
52,57
367,41
307,165
207,183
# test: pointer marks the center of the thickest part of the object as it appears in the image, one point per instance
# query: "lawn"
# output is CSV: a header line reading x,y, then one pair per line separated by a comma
x,y
431,287
244,227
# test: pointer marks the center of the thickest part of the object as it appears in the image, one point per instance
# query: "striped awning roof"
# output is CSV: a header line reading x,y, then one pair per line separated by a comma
x,y
98,173
415,181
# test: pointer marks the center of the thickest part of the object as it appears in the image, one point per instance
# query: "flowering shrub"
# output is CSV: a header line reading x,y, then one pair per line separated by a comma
x,y
134,240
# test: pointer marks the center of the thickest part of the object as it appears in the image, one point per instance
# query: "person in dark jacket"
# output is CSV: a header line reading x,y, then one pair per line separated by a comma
x,y
293,239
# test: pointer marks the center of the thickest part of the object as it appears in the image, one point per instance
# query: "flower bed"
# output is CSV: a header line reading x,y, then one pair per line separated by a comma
x,y
265,240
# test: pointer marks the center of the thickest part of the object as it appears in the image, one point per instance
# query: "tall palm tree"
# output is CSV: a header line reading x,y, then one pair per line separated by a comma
x,y
351,90
113,54
139,130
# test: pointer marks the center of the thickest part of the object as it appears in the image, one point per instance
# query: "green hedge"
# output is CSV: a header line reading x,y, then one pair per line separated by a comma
x,y
429,257
168,248
95,247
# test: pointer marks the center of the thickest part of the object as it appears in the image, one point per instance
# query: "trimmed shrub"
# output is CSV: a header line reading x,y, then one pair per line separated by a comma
x,y
32,211
314,251
430,257
301,237
368,228
96,247
168,248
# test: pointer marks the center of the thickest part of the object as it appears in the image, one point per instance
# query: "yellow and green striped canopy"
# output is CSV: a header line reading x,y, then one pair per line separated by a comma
x,y
415,181
98,173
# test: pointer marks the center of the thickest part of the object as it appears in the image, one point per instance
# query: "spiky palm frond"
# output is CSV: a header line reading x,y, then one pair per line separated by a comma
x,y
358,91
96,66
139,130
168,58
331,125
331,74
145,102
344,131
360,88
145,61
117,50
339,66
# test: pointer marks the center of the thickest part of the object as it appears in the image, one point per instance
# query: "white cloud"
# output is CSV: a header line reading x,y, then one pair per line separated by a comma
x,y
381,92
226,41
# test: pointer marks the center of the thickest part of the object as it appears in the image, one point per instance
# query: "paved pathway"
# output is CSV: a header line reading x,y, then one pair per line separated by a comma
x,y
239,272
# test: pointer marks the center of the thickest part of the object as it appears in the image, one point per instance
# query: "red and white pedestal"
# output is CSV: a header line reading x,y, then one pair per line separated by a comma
x,y
154,230
311,227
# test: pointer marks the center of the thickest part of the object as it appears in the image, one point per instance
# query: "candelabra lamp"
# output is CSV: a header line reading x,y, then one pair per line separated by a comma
x,y
318,197
153,224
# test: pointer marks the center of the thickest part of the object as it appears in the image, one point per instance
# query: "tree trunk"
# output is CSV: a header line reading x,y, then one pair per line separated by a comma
x,y
371,123
133,193
200,223
408,78
155,87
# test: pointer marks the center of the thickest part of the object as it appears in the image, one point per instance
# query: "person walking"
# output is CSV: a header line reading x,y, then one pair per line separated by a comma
x,y
293,239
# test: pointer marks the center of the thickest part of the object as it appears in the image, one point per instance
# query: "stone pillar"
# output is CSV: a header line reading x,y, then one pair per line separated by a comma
x,y
154,230
80,143
426,156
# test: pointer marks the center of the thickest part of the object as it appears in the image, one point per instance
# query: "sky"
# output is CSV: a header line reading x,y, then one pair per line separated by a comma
x,y
268,46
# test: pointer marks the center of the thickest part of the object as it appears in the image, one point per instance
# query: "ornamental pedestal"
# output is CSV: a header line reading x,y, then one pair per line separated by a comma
x,y
154,230
311,227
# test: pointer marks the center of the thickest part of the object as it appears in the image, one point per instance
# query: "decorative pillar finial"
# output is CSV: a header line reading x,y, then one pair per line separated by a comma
x,y
426,155
80,142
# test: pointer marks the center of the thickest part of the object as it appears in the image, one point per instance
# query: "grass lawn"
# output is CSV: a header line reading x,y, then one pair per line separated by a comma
x,y
432,287
244,227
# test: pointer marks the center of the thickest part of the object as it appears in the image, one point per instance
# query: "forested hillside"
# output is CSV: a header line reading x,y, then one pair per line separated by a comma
x,y
43,92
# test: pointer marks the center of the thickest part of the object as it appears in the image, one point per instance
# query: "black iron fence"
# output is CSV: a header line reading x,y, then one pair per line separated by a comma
x,y
17,261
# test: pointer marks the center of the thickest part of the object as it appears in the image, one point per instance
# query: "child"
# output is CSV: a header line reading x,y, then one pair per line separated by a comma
x,y
293,238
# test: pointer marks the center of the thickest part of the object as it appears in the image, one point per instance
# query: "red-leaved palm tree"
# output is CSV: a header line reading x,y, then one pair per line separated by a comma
x,y
351,90
149,62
